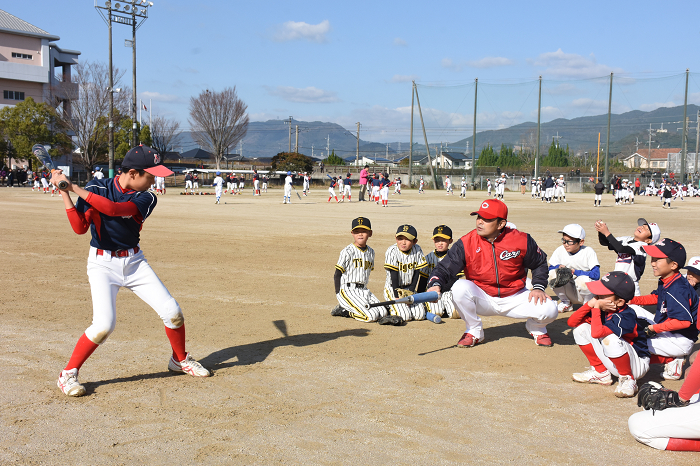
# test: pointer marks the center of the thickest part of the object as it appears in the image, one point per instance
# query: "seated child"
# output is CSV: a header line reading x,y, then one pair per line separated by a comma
x,y
583,263
442,237
352,271
613,341
405,264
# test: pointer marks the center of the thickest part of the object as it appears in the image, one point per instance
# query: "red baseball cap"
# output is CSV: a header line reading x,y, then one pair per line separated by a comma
x,y
492,208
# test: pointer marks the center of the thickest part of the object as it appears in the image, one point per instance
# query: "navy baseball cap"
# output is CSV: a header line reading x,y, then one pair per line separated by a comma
x,y
667,248
442,231
618,283
408,231
361,222
144,158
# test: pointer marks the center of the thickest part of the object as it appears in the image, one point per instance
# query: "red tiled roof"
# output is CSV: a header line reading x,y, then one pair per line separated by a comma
x,y
657,154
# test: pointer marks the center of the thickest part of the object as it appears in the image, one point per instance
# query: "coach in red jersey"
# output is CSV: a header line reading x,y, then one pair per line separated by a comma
x,y
495,260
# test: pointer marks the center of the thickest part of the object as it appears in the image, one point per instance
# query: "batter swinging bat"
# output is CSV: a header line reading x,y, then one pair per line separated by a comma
x,y
428,296
295,192
40,153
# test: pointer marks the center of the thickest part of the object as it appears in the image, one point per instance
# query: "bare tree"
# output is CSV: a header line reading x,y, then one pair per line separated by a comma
x,y
218,121
164,134
87,93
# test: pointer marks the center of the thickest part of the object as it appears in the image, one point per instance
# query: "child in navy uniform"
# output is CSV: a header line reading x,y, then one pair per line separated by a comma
x,y
675,330
114,209
613,341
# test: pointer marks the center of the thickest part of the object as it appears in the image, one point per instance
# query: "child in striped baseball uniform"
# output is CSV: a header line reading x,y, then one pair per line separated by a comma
x,y
442,237
405,266
352,271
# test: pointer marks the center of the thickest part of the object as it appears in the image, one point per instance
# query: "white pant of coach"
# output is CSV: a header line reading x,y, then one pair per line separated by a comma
x,y
656,428
611,347
472,302
108,274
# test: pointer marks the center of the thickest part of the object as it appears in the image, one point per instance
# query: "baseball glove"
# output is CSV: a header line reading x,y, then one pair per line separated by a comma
x,y
391,320
654,396
564,276
403,293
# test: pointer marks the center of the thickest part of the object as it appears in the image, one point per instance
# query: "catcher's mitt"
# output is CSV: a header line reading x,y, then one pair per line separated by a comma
x,y
403,293
564,276
654,396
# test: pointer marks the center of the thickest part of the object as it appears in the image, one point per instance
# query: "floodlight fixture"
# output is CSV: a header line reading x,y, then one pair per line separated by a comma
x,y
117,6
108,4
126,7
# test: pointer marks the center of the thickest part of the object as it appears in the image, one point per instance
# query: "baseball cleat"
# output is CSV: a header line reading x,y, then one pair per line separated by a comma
x,y
593,376
188,366
468,340
564,307
68,383
674,369
626,387
338,311
543,340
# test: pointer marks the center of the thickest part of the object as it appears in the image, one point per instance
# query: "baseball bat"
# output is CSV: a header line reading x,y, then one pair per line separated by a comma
x,y
428,296
40,153
433,317
295,192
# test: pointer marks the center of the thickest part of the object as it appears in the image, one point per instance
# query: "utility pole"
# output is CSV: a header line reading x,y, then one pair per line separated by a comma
x,y
476,87
312,151
410,142
387,151
111,102
650,141
425,138
607,141
133,63
328,146
697,144
684,151
357,149
241,148
296,138
537,150
289,122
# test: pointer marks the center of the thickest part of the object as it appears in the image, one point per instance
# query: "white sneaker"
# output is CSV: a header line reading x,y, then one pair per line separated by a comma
x,y
188,366
68,383
626,387
593,376
564,306
674,369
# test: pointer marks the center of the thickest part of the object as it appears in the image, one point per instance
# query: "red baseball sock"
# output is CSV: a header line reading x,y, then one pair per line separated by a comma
x,y
83,349
656,359
329,198
336,198
593,358
623,365
683,444
177,341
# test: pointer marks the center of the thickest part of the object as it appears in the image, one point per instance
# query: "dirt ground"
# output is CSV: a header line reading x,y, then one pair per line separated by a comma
x,y
291,384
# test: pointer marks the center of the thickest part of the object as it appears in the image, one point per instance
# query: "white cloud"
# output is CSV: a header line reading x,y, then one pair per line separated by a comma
x,y
400,42
307,95
452,65
571,65
293,30
402,78
158,97
490,62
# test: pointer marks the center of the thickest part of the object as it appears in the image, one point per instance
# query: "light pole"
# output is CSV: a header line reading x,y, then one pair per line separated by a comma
x,y
131,13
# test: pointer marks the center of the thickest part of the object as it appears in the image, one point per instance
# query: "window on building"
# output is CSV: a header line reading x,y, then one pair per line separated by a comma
x,y
13,95
21,55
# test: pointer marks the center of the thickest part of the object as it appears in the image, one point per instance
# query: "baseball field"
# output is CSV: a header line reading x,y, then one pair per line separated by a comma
x,y
291,384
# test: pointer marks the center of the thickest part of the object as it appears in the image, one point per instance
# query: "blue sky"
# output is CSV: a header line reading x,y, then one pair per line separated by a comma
x,y
350,62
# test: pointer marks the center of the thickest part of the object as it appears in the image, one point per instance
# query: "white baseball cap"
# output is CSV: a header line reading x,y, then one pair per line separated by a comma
x,y
574,230
693,265
653,227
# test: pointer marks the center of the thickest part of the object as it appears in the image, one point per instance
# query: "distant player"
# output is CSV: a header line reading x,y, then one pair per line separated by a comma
x,y
384,189
234,184
488,187
463,188
404,263
442,237
560,189
331,189
265,180
351,278
306,179
631,257
548,189
523,185
218,184
448,185
397,185
347,187
227,179
98,174
376,186
195,182
114,210
666,195
45,181
599,190
288,188
421,185
533,187
256,183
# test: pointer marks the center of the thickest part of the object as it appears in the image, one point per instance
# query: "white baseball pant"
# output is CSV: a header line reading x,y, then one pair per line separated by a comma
x,y
384,192
107,274
444,305
414,312
665,343
471,302
549,193
353,298
575,292
256,184
347,191
656,428
609,347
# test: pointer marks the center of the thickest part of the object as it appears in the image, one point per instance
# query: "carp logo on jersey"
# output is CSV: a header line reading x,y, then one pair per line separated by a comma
x,y
507,255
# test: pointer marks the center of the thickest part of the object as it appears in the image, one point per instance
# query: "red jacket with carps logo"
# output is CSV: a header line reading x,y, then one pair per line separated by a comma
x,y
498,268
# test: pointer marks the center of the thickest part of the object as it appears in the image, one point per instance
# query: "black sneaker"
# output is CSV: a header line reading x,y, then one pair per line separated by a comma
x,y
339,312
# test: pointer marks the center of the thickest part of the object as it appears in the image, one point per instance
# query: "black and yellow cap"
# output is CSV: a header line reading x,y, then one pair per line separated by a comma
x,y
408,231
361,222
442,231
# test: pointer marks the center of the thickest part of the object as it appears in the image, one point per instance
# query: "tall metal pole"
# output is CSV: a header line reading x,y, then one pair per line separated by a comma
x,y
357,149
684,152
296,138
135,137
537,149
410,149
607,140
290,135
111,100
425,137
476,88
697,144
